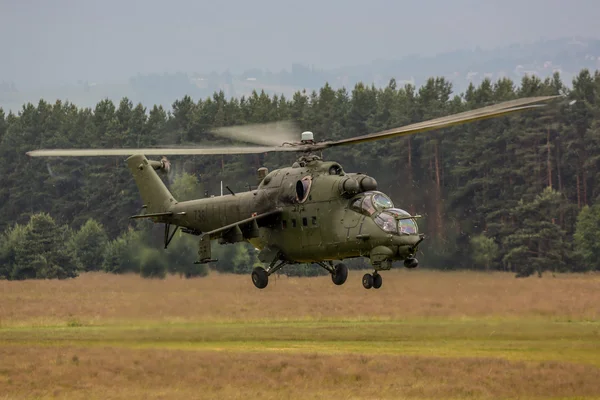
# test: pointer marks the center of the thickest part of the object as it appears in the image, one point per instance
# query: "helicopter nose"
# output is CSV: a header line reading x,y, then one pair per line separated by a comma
x,y
408,240
407,245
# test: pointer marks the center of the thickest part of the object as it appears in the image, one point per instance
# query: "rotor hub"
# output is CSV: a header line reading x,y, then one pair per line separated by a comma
x,y
307,137
306,158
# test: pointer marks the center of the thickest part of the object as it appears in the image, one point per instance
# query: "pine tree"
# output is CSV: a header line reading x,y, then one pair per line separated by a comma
x,y
537,243
88,245
587,238
43,252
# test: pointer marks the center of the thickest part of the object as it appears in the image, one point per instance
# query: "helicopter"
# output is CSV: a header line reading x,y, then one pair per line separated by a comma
x,y
310,212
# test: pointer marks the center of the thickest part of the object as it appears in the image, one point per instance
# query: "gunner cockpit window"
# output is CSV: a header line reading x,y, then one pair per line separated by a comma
x,y
386,222
407,226
406,223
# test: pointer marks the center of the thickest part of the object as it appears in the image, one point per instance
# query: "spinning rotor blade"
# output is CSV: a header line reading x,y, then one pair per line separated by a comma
x,y
497,110
281,139
154,151
268,134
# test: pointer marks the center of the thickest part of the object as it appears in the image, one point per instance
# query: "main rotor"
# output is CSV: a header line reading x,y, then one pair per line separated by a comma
x,y
281,136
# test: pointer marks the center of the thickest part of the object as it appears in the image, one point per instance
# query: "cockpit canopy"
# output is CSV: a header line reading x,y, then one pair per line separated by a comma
x,y
368,203
381,208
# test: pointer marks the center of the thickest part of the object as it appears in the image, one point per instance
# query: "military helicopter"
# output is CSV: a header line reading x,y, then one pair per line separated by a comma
x,y
310,212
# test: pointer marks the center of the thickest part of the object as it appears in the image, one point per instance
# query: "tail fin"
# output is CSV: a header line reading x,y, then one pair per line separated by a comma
x,y
155,194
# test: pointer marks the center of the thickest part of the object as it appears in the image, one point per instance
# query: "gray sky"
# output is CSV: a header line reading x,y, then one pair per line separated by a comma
x,y
61,41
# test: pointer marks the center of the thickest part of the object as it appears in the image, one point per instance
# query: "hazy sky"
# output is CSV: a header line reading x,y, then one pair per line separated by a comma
x,y
57,41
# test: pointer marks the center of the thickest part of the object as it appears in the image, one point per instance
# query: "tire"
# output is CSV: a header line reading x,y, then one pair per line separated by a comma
x,y
260,278
377,281
367,281
340,274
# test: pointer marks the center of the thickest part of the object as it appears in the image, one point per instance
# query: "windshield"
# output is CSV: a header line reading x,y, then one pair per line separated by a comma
x,y
396,220
408,226
386,222
368,203
382,202
380,207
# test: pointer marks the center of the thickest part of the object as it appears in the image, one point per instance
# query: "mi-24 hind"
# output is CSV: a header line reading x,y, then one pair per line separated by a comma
x,y
310,212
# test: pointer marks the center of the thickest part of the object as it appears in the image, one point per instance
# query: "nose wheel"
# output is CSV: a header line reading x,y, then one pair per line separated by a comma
x,y
372,281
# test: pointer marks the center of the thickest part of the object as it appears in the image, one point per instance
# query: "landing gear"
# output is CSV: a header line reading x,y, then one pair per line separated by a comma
x,y
339,274
367,281
377,280
372,281
260,277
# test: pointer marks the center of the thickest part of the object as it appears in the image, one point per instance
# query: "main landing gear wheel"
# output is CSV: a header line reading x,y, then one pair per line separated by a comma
x,y
260,277
339,274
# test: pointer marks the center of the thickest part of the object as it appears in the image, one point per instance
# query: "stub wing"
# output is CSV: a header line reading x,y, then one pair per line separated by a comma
x,y
243,229
237,232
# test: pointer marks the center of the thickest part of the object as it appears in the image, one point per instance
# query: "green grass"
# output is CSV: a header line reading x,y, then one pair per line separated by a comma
x,y
511,339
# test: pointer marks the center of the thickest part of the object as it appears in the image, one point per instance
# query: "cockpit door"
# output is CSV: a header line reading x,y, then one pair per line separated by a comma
x,y
353,213
351,218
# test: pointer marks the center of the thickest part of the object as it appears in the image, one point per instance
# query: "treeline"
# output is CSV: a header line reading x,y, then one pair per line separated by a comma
x,y
43,249
510,193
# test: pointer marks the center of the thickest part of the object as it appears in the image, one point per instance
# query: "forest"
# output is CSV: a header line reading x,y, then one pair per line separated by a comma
x,y
515,194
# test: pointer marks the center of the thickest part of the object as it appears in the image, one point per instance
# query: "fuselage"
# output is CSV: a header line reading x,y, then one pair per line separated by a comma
x,y
321,214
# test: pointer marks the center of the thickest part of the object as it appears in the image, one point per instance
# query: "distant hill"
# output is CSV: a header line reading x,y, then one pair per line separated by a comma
x,y
567,56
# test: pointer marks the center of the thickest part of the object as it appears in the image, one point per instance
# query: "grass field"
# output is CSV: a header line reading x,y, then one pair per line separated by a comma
x,y
423,335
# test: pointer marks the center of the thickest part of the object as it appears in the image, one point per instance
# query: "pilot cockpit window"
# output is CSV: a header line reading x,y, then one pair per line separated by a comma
x,y
355,205
369,203
363,204
382,202
367,206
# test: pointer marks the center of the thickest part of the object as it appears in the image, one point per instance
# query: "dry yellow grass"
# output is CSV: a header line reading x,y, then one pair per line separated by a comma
x,y
441,335
170,374
100,298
